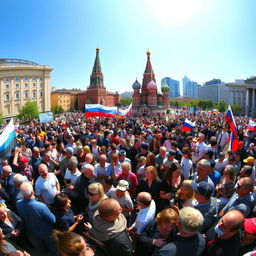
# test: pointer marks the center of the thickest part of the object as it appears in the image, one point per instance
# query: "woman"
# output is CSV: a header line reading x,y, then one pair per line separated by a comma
x,y
26,151
123,146
95,149
65,218
226,187
170,184
80,156
186,163
96,195
10,223
151,184
71,244
158,233
155,144
54,152
186,194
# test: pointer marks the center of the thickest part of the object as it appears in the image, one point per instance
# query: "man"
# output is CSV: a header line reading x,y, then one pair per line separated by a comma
x,y
213,174
101,169
37,218
122,157
18,179
220,163
222,139
109,227
250,161
46,186
21,165
206,204
83,181
178,154
35,161
169,160
189,241
223,238
147,210
64,162
242,200
213,147
160,157
7,178
198,149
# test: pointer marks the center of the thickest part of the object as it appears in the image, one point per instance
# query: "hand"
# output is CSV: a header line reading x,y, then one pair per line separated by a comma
x,y
159,242
70,186
87,226
57,172
15,232
19,253
79,218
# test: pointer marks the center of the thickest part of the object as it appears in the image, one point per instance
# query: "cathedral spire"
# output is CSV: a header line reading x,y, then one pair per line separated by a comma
x,y
96,80
148,73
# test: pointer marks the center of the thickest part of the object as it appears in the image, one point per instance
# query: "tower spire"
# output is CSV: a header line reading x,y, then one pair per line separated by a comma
x,y
96,79
148,73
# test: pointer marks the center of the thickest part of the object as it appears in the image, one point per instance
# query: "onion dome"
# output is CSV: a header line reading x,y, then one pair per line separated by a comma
x,y
136,85
152,85
165,88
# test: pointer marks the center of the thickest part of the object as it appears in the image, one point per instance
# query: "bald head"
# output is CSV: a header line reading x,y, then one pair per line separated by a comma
x,y
144,198
26,190
109,207
6,170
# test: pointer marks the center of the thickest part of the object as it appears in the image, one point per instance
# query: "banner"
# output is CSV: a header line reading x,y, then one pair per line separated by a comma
x,y
46,117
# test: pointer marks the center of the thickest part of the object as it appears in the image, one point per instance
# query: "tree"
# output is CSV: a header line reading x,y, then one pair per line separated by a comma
x,y
1,118
174,103
222,106
76,105
236,108
29,111
57,110
192,103
125,101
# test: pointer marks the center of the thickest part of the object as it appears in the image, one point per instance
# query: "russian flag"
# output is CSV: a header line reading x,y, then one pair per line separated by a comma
x,y
234,138
99,110
187,126
251,126
8,140
125,112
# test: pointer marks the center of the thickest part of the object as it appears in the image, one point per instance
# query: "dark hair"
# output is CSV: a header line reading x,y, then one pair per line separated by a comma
x,y
171,170
186,150
174,144
60,201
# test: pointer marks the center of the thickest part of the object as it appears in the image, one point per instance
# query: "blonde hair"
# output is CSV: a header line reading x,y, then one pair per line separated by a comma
x,y
69,243
189,192
167,216
87,149
96,188
3,205
126,165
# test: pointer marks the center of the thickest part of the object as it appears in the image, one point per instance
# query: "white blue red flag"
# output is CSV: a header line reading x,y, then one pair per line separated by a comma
x,y
232,124
251,126
125,112
187,126
99,110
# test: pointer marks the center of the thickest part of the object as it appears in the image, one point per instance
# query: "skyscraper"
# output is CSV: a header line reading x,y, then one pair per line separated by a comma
x,y
190,88
174,87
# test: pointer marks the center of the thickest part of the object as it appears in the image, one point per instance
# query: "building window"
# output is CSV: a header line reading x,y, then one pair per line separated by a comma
x,y
34,84
34,94
7,79
17,78
7,97
17,96
41,78
41,84
26,84
34,78
26,78
7,86
17,85
41,94
25,95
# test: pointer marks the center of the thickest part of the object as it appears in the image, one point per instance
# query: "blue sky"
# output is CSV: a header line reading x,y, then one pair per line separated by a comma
x,y
203,39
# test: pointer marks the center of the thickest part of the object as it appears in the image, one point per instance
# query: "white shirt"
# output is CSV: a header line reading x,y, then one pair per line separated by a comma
x,y
199,151
72,177
186,165
219,166
144,217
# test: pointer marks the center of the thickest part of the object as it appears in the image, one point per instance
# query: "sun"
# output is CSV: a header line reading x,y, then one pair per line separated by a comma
x,y
170,12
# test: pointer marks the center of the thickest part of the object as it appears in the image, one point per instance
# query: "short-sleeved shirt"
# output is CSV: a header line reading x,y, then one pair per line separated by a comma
x,y
72,177
63,222
46,188
98,170
132,180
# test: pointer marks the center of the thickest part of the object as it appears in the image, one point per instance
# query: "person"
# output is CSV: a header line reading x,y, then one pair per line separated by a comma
x,y
168,161
109,227
7,180
46,186
206,204
199,149
190,241
64,161
96,195
21,165
222,139
37,218
71,244
220,163
65,218
178,154
223,238
160,159
186,163
122,156
186,194
213,174
170,185
147,210
122,196
242,199
115,166
35,160
101,168
157,233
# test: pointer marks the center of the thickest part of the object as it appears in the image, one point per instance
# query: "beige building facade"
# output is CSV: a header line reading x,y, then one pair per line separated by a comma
x,y
21,81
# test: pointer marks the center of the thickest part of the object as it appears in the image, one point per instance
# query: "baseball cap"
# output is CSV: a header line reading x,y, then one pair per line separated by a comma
x,y
250,225
122,152
171,153
69,150
122,185
23,159
203,188
249,159
240,144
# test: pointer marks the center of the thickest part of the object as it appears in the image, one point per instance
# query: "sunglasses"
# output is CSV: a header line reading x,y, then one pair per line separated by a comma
x,y
91,194
238,186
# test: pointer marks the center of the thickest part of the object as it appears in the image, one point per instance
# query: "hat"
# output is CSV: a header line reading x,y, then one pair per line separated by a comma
x,y
70,150
23,159
221,155
249,159
122,185
240,144
250,225
203,188
144,145
171,153
122,153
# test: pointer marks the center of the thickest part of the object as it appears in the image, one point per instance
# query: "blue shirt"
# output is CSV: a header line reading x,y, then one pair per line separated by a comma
x,y
215,177
37,217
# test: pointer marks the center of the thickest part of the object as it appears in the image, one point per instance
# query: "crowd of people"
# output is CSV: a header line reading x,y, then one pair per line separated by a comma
x,y
129,186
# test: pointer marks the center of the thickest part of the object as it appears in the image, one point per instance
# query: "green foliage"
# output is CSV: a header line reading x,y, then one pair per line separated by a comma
x,y
192,103
205,104
222,106
174,103
76,105
236,109
125,101
57,110
29,111
1,119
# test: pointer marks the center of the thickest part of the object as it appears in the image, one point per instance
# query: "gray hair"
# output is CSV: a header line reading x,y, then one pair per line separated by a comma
x,y
205,163
73,162
26,189
191,220
18,179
